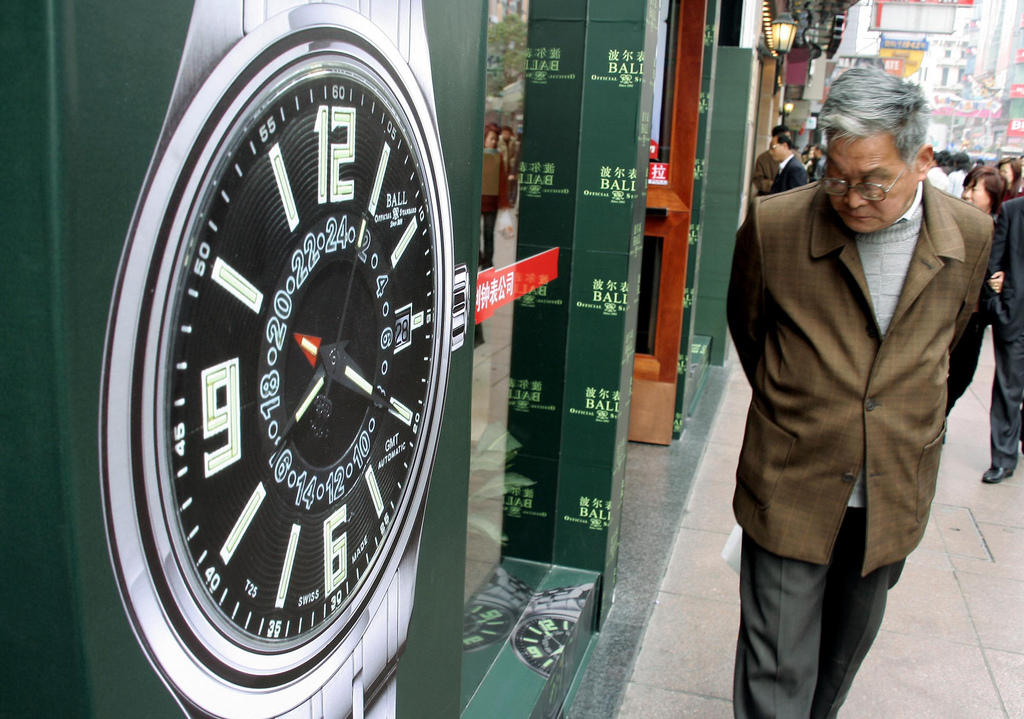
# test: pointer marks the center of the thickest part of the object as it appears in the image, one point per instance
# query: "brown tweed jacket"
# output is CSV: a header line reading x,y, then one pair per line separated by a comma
x,y
765,170
830,397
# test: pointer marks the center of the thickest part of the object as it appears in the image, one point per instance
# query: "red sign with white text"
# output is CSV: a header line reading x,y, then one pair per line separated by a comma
x,y
657,173
1016,128
1017,90
498,287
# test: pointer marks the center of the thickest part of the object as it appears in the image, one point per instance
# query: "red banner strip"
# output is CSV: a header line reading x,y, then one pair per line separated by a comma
x,y
497,287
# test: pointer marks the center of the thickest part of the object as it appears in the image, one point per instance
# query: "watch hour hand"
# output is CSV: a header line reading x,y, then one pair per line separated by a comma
x,y
341,368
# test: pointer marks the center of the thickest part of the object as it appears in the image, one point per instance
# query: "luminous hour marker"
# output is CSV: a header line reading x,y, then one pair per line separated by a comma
x,y
243,522
240,288
335,551
371,482
401,411
225,196
283,186
212,226
286,570
180,402
381,167
183,471
410,230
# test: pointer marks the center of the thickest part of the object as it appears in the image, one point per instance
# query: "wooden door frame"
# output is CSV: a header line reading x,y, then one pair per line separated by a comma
x,y
669,209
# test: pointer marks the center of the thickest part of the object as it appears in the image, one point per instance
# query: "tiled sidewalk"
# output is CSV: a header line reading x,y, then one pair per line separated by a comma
x,y
952,642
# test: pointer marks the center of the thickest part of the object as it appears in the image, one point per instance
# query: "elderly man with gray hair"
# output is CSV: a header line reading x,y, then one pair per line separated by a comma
x,y
845,299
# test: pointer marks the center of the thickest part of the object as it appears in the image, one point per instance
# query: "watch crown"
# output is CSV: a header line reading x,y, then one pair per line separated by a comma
x,y
460,305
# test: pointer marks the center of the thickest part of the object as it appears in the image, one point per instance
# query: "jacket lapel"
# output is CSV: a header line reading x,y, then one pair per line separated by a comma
x,y
828,234
940,238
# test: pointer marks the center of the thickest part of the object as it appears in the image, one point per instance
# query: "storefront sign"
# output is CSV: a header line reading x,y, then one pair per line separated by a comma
x,y
498,287
1016,128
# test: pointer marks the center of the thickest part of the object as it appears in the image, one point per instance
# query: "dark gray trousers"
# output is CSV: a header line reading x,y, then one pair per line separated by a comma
x,y
1007,393
805,628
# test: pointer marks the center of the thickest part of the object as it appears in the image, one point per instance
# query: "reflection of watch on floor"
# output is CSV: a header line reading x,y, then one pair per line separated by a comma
x,y
541,636
493,610
277,357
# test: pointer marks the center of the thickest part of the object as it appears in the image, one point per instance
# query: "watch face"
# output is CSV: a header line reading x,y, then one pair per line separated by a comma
x,y
484,624
540,641
275,343
299,355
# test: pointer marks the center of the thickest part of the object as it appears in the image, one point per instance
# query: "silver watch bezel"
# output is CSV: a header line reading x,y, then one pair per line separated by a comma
x,y
136,341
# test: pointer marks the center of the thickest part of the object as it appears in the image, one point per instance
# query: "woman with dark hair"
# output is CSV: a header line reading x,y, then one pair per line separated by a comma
x,y
984,188
1009,170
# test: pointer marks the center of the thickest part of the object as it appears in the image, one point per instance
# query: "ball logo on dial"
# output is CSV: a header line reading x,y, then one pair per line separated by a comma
x,y
299,362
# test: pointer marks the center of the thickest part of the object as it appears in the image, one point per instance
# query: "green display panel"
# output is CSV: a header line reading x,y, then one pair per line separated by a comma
x,y
94,80
724,190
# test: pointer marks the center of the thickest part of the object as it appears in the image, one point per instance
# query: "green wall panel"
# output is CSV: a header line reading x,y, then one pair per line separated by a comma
x,y
725,172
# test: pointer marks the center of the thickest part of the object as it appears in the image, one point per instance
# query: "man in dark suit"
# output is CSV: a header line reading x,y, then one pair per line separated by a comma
x,y
791,171
845,299
1007,341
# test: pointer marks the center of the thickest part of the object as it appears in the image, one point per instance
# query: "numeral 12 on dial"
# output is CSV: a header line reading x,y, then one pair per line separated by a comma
x,y
331,156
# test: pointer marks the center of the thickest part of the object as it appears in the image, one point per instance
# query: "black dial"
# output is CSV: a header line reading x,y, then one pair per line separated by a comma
x,y
540,641
300,352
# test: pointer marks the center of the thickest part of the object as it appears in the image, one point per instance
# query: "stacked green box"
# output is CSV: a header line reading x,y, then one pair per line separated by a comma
x,y
614,130
687,384
547,204
588,99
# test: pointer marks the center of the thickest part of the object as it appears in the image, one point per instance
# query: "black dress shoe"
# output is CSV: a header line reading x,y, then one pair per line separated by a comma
x,y
995,475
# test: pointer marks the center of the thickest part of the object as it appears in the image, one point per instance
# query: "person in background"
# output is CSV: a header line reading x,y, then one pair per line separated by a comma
x,y
1008,341
984,189
936,175
508,146
1009,168
791,172
494,192
765,167
961,166
815,163
845,299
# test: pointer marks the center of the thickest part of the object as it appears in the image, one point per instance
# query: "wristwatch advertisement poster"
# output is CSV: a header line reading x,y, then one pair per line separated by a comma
x,y
277,360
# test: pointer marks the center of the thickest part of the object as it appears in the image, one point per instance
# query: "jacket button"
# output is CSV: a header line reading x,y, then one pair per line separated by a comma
x,y
870,404
849,477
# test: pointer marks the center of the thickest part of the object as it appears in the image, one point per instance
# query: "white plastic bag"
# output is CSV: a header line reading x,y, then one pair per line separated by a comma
x,y
733,548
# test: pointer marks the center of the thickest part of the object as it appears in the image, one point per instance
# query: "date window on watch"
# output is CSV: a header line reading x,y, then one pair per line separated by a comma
x,y
405,322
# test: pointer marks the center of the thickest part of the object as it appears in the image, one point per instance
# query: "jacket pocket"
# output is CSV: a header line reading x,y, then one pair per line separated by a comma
x,y
763,459
927,472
